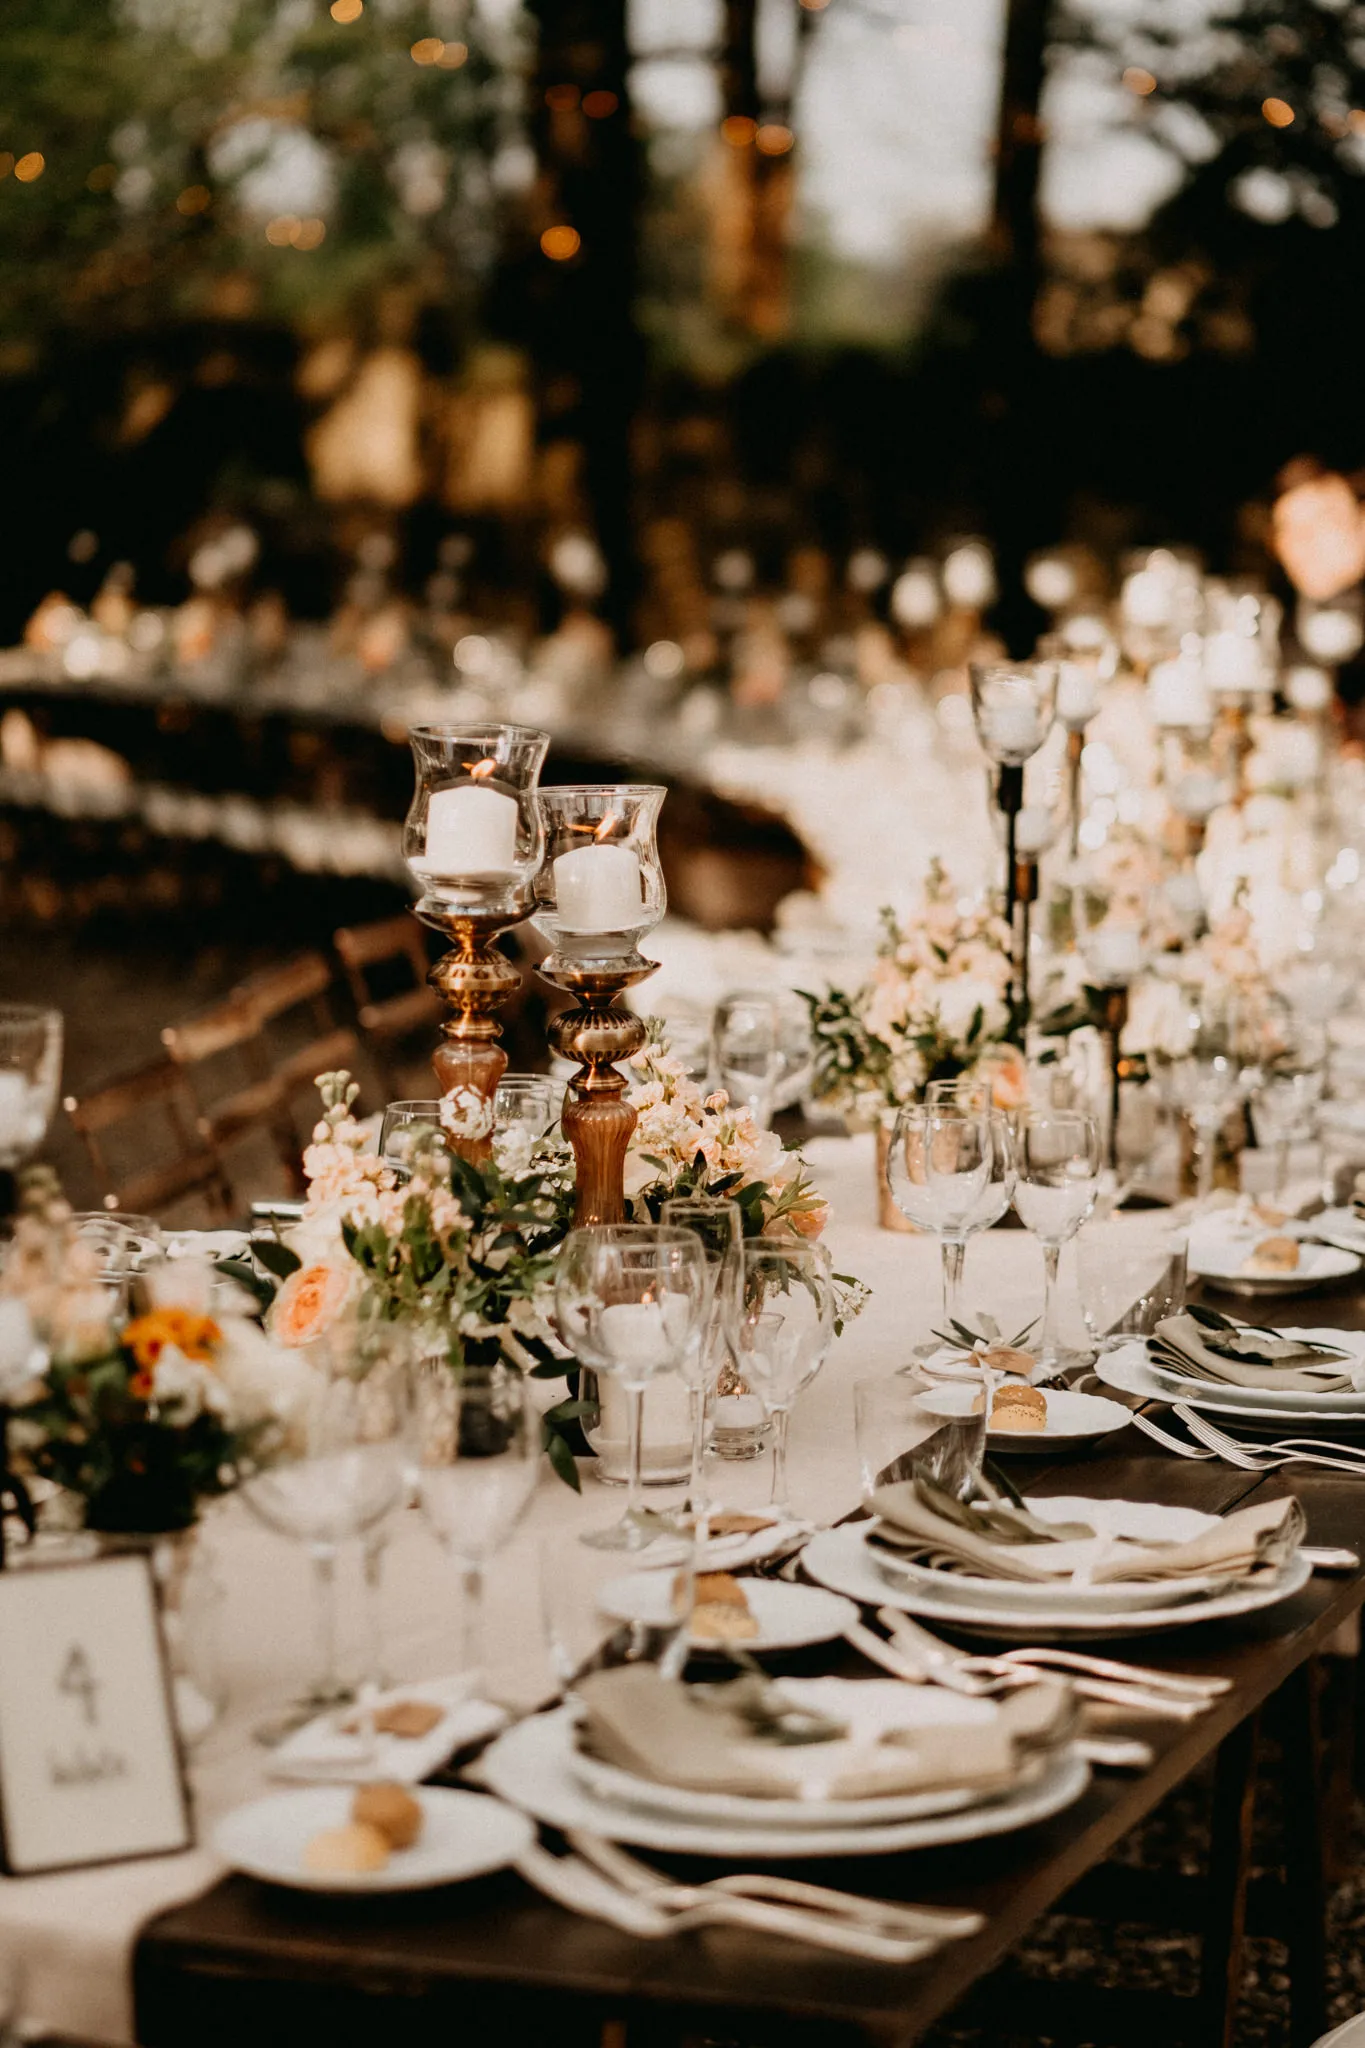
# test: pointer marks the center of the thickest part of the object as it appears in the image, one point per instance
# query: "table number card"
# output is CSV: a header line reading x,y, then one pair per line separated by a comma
x,y
89,1759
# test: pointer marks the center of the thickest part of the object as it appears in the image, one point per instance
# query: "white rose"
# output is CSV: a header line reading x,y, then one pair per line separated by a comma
x,y
22,1358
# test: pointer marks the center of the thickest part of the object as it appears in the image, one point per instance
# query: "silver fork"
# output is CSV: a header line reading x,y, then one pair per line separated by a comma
x,y
942,1923
1265,1457
1141,1692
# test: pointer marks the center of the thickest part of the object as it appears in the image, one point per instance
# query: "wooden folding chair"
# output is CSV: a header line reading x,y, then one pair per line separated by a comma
x,y
127,1180
228,1035
388,1014
294,998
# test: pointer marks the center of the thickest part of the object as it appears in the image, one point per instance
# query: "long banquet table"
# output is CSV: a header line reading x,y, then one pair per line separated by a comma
x,y
170,1952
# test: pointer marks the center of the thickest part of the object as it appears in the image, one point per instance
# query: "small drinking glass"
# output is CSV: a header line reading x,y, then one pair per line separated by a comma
x,y
631,1300
717,1225
123,1244
781,1324
530,1100
940,1168
476,1460
795,1040
1132,1276
747,1053
905,1429
340,1470
403,1125
1058,1160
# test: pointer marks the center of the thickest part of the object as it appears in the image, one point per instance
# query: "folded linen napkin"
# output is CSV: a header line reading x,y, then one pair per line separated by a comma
x,y
928,1527
719,1739
1201,1345
335,1749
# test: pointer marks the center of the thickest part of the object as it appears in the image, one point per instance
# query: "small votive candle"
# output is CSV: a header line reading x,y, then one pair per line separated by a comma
x,y
1114,955
1078,694
1176,695
597,889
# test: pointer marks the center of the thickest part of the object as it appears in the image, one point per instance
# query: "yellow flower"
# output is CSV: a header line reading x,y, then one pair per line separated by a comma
x,y
195,1336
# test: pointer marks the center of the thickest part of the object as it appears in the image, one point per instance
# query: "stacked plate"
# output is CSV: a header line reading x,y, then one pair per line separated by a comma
x,y
540,1767
1254,1411
1069,1610
1221,1253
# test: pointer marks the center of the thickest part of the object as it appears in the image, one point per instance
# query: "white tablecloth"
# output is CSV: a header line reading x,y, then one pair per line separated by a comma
x,y
74,1934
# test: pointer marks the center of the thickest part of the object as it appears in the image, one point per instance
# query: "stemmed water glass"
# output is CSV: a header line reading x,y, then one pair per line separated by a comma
x,y
631,1300
531,1101
747,1053
1206,1081
781,1323
476,1462
340,1468
1057,1177
717,1225
941,1171
1285,1103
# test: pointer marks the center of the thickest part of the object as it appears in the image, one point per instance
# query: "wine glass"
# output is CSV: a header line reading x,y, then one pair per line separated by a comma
x,y
1132,1275
747,1047
718,1227
476,1463
402,1129
795,1040
631,1300
1057,1177
1206,1080
531,1101
339,1470
781,1323
939,1167
1285,1103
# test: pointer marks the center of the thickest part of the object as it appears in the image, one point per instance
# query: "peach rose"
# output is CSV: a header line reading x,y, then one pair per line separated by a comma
x,y
309,1303
809,1222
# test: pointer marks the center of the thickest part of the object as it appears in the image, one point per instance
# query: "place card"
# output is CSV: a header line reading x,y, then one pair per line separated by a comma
x,y
90,1768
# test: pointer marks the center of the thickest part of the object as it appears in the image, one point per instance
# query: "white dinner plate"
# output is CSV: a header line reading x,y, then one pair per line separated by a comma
x,y
839,1558
1071,1419
724,1553
1131,1370
788,1617
1142,1521
1340,1227
1221,1262
895,1705
532,1766
463,1835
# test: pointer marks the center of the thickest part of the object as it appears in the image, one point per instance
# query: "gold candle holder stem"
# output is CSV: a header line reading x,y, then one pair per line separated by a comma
x,y
1111,1004
600,1032
474,980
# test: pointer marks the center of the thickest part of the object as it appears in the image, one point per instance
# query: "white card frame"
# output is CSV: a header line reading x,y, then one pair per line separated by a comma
x,y
91,1770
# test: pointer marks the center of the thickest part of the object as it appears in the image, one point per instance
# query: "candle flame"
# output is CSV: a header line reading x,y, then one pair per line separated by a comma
x,y
478,770
607,826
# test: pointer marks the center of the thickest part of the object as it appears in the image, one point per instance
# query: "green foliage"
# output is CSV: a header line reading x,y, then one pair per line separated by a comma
x,y
134,103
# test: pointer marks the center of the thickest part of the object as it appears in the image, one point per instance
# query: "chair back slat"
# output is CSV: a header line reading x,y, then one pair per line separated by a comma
x,y
149,1185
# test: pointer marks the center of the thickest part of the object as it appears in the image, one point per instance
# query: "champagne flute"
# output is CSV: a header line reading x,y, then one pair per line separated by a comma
x,y
477,1460
1284,1106
1057,1180
939,1168
717,1225
781,1323
631,1300
1206,1080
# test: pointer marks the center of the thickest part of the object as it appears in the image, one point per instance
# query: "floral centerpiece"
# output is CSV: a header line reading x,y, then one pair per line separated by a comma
x,y
140,1419
468,1252
935,1005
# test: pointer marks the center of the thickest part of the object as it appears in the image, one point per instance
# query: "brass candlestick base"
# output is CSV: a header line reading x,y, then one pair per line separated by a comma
x,y
597,1121
1111,1005
474,981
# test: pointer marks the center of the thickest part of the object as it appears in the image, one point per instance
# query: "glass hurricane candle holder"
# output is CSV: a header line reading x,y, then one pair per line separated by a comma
x,y
1028,815
600,890
473,840
30,1074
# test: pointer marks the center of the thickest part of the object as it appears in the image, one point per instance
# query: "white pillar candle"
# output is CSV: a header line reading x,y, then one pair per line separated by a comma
x,y
1231,663
1146,599
1013,728
1050,581
471,831
636,1338
665,1431
15,1110
1308,689
1114,955
1078,694
1032,830
597,889
1176,695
